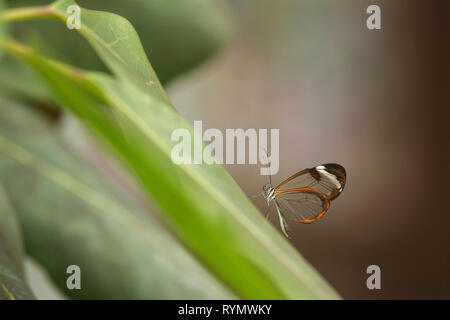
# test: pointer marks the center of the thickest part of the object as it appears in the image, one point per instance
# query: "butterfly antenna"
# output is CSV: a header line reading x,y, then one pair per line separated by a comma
x,y
270,165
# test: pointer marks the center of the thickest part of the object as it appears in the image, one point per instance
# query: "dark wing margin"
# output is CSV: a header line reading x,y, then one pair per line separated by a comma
x,y
328,178
304,205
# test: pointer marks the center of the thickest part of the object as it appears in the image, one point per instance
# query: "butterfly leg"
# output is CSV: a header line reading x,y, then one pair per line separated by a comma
x,y
256,195
266,214
283,223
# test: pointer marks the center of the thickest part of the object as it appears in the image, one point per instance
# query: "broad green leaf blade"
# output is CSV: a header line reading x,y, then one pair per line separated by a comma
x,y
12,285
71,216
204,205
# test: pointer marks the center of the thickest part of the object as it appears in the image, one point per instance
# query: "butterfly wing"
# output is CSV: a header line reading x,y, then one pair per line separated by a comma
x,y
329,179
304,205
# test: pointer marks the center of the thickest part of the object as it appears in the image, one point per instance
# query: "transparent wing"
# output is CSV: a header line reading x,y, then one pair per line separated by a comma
x,y
328,178
304,205
274,208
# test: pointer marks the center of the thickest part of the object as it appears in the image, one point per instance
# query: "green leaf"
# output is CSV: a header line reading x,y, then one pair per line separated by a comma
x,y
28,84
2,31
12,285
206,208
178,35
71,216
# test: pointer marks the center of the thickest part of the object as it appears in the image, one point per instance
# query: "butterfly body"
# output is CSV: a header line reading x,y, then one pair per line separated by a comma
x,y
269,192
305,196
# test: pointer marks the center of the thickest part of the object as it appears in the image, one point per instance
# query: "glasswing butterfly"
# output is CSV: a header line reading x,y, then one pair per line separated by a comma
x,y
305,196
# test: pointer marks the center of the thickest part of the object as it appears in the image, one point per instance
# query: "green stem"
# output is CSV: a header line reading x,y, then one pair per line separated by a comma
x,y
18,14
17,49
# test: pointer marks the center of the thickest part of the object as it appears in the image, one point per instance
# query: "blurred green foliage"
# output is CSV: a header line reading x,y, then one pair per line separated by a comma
x,y
177,35
12,285
2,31
70,215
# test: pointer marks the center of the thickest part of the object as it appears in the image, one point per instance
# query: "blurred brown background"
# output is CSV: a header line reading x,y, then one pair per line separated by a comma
x,y
374,101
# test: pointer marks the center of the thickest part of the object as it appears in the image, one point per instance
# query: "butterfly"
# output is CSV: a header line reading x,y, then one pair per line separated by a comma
x,y
305,196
